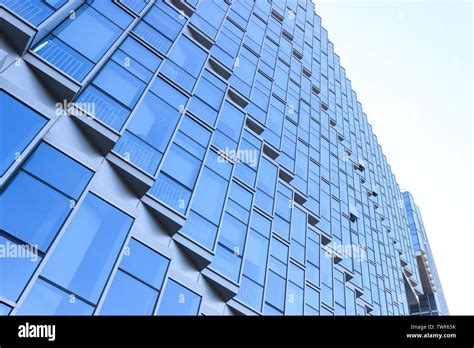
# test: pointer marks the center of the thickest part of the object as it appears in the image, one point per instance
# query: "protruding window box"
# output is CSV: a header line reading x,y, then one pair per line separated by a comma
x,y
16,30
241,308
237,97
278,16
219,68
285,175
99,134
348,275
138,180
200,36
226,288
403,262
171,220
183,6
313,218
254,125
325,240
315,89
299,197
200,256
353,212
408,272
270,151
62,86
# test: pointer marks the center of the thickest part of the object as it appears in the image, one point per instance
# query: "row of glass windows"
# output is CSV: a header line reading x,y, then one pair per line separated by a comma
x,y
186,75
82,39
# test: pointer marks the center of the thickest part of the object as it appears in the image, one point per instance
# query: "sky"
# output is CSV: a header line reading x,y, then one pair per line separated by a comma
x,y
411,65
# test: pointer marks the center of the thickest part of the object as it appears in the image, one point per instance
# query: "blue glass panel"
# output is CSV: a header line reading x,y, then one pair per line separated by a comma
x,y
181,166
294,303
185,64
200,230
187,55
231,121
153,37
256,257
275,294
168,93
128,296
46,299
18,126
141,54
86,253
144,263
138,152
119,83
213,188
32,211
33,11
233,233
17,264
178,300
227,263
165,19
132,65
113,12
58,170
251,293
106,109
64,57
4,309
171,192
88,32
135,5
154,121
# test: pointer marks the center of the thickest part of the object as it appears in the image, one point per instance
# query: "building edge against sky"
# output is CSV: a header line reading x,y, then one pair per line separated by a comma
x,y
432,301
215,161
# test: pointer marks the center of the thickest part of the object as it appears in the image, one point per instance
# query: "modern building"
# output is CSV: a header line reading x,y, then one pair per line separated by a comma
x,y
191,157
432,301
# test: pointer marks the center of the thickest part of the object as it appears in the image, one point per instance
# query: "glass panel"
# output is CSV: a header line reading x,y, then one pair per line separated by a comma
x,y
88,32
46,299
86,253
119,83
17,264
178,300
58,170
256,257
4,309
32,211
128,296
18,126
144,263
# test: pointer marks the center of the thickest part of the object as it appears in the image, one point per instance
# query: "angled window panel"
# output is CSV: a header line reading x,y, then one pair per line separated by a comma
x,y
86,253
18,126
58,170
185,62
178,300
46,299
17,264
128,296
32,211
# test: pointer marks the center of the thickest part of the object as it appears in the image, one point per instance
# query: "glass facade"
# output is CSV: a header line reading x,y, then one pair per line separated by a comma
x,y
432,301
210,158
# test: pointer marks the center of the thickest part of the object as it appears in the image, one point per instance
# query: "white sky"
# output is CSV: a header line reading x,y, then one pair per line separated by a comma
x,y
411,65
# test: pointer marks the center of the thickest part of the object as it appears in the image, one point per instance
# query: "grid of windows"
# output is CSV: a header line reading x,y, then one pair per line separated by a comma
x,y
259,156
